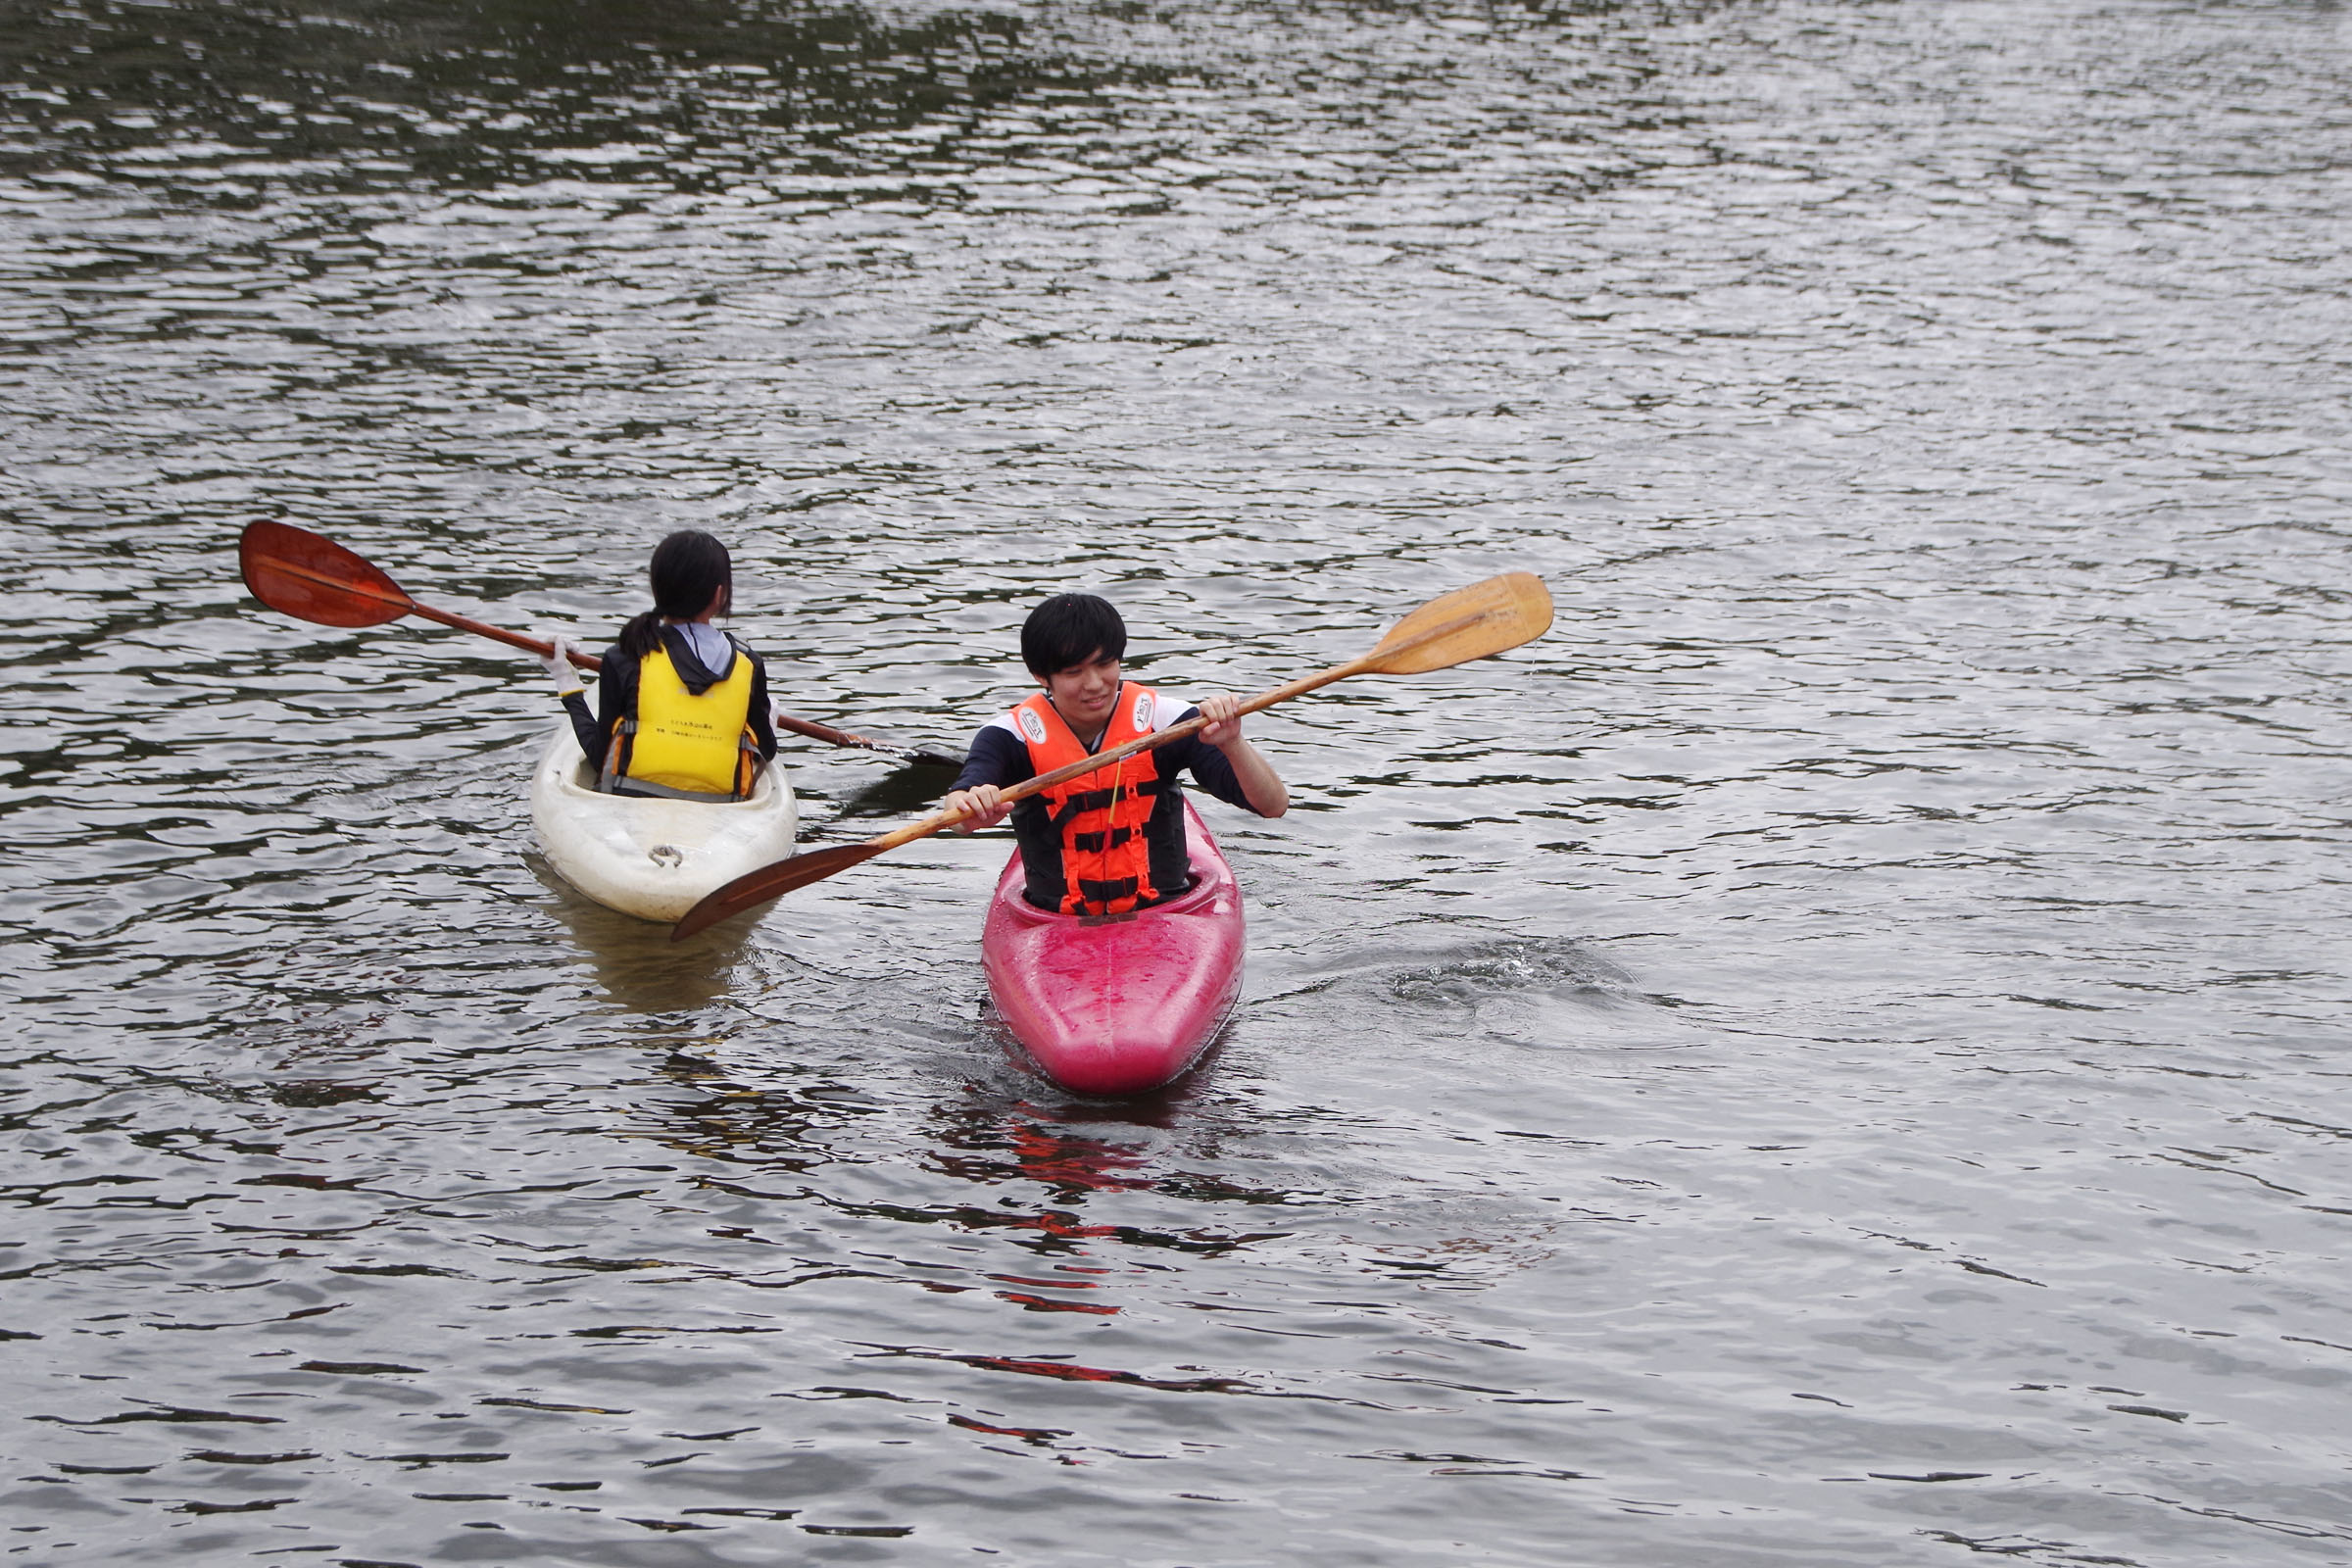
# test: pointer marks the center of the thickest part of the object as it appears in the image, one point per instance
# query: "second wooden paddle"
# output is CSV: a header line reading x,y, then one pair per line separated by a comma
x,y
1474,622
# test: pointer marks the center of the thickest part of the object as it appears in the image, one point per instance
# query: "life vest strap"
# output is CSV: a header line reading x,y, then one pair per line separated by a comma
x,y
638,786
617,757
1103,894
1079,802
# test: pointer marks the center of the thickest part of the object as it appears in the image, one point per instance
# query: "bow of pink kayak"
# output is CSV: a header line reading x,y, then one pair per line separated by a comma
x,y
1122,1004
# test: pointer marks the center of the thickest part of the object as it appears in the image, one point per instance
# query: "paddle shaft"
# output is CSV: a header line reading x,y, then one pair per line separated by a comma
x,y
1475,623
1174,732
580,659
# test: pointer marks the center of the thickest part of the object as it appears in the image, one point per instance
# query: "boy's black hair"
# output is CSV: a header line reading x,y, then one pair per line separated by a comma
x,y
1071,630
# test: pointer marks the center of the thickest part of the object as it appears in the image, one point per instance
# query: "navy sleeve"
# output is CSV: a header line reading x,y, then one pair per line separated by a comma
x,y
997,758
761,716
584,728
616,693
1211,768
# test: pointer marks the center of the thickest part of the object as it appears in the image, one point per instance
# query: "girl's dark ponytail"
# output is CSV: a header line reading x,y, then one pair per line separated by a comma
x,y
688,570
642,635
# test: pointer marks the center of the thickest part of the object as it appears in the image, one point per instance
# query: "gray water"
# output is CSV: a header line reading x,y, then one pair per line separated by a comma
x,y
1835,1056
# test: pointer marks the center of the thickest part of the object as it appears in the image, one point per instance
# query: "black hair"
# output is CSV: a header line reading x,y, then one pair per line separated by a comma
x,y
1071,630
688,570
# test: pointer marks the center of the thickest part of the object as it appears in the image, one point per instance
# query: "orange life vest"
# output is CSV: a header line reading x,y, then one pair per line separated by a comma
x,y
1097,817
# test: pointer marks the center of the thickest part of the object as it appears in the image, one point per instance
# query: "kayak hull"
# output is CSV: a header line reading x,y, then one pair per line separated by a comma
x,y
653,858
1123,1004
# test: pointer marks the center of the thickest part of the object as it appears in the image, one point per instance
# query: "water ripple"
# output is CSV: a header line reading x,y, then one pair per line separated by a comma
x,y
1829,1058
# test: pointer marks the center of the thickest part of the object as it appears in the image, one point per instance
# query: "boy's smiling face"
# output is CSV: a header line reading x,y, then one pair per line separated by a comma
x,y
1085,694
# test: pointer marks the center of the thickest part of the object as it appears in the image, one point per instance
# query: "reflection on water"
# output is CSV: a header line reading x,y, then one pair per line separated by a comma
x,y
1828,1059
638,965
901,791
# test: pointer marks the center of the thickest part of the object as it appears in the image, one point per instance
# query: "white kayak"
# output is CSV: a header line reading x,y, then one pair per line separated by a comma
x,y
651,858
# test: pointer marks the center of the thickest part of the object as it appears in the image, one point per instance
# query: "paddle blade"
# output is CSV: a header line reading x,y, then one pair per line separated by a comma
x,y
1474,622
298,574
754,888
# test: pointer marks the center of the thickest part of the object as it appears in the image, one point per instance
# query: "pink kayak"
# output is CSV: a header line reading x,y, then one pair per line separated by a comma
x,y
1120,1005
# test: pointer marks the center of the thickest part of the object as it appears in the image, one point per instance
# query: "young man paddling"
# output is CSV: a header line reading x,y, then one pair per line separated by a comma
x,y
1110,840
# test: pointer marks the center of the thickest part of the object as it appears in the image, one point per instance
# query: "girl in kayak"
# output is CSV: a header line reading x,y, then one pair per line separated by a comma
x,y
681,706
1109,842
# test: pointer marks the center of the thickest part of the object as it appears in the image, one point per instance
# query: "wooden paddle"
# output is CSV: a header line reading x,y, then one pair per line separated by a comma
x,y
1473,622
316,579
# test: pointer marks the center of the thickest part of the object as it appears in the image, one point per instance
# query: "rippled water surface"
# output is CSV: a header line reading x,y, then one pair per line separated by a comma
x,y
1835,1056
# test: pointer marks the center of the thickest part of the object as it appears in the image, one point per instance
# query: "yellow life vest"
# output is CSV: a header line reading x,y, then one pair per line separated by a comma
x,y
697,748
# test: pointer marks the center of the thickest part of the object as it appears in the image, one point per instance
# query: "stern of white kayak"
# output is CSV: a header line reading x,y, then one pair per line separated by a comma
x,y
653,858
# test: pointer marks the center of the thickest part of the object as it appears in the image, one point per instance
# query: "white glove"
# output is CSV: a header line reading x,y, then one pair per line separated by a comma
x,y
559,665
